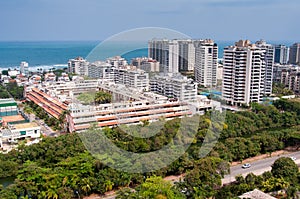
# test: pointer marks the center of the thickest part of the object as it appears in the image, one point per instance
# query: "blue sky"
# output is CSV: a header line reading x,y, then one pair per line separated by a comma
x,y
273,20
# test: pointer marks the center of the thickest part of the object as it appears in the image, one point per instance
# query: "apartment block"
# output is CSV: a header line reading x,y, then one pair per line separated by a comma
x,y
206,62
294,57
281,54
78,66
243,73
174,86
269,61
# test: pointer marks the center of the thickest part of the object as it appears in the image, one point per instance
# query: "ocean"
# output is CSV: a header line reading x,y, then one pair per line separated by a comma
x,y
57,53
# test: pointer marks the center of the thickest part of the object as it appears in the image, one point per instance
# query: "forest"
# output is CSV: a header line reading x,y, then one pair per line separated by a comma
x,y
62,167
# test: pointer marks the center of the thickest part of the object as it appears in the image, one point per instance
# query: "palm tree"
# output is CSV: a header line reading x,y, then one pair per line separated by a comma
x,y
108,185
103,97
86,185
50,194
62,120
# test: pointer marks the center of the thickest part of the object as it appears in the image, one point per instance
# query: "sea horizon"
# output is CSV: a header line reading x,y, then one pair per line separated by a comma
x,y
49,54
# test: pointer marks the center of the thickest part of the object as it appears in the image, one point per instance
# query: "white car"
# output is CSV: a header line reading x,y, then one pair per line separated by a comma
x,y
293,158
246,166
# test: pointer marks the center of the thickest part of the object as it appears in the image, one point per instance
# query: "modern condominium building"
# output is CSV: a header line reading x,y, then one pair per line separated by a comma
x,y
269,59
281,54
174,86
132,78
243,73
206,62
24,68
294,57
159,50
290,77
174,55
99,70
146,64
78,66
186,55
180,55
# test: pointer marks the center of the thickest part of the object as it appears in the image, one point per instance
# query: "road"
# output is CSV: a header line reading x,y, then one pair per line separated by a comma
x,y
257,167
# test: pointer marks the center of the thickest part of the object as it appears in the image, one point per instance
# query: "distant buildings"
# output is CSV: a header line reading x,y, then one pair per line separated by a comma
x,y
159,50
98,69
117,61
281,54
206,62
78,66
146,64
295,54
244,73
173,55
24,68
187,55
289,76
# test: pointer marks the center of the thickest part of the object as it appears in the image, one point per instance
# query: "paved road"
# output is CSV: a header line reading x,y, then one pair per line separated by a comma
x,y
257,167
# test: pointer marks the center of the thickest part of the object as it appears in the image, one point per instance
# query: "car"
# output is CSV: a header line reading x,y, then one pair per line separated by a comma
x,y
246,166
293,158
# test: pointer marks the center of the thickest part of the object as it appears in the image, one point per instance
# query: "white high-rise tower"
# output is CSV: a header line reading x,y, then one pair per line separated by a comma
x,y
24,68
206,62
244,73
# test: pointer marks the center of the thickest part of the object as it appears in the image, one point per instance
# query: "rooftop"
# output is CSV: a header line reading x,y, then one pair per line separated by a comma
x,y
13,118
25,125
256,194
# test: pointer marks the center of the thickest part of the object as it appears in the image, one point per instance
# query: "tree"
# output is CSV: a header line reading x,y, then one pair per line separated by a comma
x,y
155,187
103,97
286,168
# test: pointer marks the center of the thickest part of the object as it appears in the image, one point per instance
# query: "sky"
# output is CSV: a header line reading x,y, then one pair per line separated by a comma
x,y
47,20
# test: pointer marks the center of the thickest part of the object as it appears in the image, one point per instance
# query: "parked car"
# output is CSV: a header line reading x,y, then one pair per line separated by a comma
x,y
246,166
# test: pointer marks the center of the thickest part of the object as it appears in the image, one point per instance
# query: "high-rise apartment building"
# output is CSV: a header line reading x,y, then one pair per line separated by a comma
x,y
174,55
146,64
281,54
159,50
244,73
181,55
78,66
294,57
269,59
186,55
24,68
206,62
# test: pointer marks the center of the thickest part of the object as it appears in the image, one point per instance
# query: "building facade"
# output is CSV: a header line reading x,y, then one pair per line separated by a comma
x,y
78,66
243,73
294,57
24,68
206,63
281,54
269,61
146,64
174,86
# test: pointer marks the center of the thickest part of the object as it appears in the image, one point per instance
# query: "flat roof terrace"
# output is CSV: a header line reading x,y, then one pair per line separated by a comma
x,y
25,126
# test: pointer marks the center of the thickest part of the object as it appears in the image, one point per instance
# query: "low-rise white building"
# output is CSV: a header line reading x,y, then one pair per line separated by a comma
x,y
174,86
18,131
